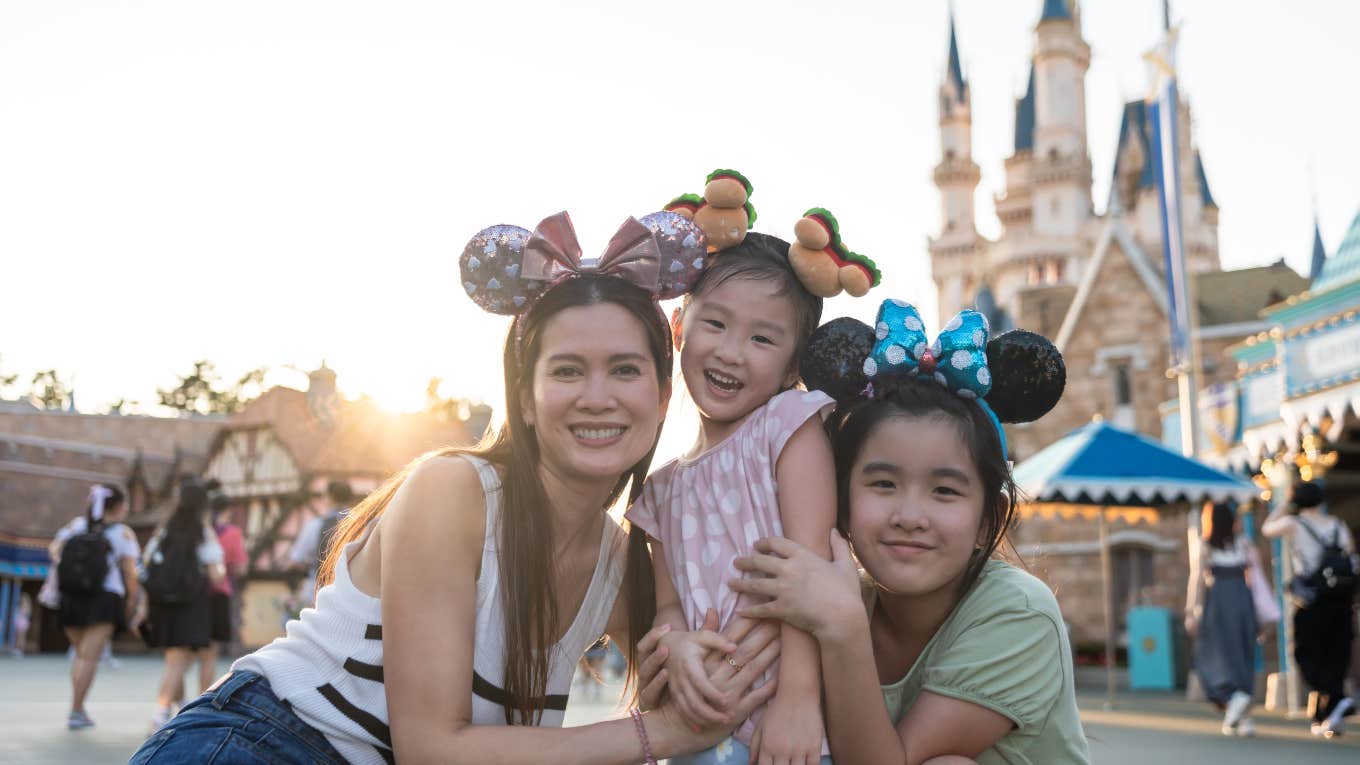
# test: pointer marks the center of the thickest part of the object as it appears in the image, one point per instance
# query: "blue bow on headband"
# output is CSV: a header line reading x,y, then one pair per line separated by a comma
x,y
957,359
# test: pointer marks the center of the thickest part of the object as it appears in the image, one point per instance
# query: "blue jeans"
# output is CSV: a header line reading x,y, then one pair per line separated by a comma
x,y
241,722
729,752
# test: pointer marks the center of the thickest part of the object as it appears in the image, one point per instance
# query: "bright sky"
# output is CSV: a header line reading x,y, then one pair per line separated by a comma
x,y
276,183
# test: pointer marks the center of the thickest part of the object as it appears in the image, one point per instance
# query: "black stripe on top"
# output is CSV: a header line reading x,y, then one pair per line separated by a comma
x,y
358,668
368,722
484,688
373,632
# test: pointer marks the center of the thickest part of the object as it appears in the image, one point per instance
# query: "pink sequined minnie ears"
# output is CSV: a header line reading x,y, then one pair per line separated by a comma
x,y
823,263
505,268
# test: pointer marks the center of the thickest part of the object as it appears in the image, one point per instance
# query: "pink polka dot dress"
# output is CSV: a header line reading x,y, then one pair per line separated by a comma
x,y
710,509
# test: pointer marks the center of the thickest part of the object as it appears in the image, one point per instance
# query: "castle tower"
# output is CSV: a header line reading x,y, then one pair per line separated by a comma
x,y
1062,165
955,254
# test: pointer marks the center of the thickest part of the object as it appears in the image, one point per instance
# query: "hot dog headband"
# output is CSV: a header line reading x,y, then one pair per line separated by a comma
x,y
823,263
1016,377
505,268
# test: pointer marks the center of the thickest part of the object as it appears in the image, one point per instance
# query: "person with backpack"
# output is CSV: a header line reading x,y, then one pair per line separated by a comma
x,y
182,561
96,562
1323,590
313,539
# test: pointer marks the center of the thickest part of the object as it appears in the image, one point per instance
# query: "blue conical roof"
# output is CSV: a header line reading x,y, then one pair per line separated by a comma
x,y
955,73
1319,253
1056,9
1344,264
1024,117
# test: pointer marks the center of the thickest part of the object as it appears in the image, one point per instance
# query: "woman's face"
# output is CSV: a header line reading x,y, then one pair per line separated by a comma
x,y
915,505
595,402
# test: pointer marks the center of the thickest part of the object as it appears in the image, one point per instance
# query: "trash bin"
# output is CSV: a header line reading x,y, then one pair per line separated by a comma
x,y
1152,649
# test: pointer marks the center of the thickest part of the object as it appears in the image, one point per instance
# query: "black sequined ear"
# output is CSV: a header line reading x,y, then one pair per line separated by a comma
x,y
833,361
1028,376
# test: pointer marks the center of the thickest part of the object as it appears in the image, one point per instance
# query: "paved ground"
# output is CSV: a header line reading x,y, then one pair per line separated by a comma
x,y
1141,729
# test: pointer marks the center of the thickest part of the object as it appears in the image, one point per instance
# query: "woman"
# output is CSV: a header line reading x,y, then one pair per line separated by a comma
x,y
182,561
1324,622
91,614
459,597
1220,615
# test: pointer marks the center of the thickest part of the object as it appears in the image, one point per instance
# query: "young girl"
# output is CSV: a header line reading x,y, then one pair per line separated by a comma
x,y
761,467
957,655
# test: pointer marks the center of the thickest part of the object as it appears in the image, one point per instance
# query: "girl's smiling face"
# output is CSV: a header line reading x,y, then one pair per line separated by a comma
x,y
916,502
736,351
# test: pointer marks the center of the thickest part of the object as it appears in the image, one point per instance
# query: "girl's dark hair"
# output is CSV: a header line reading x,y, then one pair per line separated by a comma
x,y
186,522
116,497
853,421
1222,519
761,257
532,623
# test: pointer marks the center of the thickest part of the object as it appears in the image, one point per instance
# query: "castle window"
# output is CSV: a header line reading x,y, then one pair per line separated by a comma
x,y
1123,385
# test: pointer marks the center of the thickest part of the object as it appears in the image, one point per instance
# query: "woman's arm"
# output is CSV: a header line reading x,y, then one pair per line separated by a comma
x,y
429,545
1194,590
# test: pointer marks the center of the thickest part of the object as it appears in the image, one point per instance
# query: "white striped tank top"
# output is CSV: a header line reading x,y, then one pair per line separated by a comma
x,y
329,664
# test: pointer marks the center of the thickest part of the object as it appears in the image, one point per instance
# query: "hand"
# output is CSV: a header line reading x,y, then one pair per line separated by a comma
x,y
652,674
698,699
789,733
756,652
817,596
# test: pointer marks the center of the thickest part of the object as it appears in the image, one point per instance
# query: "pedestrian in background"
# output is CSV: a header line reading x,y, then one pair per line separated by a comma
x,y
182,561
95,558
1323,589
223,593
309,548
1220,615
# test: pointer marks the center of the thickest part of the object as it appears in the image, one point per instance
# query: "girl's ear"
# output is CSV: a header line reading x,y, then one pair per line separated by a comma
x,y
677,326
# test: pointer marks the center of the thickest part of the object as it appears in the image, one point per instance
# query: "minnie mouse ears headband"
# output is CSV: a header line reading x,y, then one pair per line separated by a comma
x,y
505,268
1017,377
823,264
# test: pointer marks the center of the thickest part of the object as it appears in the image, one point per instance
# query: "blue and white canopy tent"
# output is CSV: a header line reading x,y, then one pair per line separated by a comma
x,y
1102,466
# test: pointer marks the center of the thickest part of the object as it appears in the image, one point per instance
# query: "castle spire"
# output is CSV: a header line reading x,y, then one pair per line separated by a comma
x,y
954,73
1319,252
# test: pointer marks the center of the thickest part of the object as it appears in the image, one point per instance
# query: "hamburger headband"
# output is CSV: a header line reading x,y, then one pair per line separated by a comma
x,y
822,262
1016,377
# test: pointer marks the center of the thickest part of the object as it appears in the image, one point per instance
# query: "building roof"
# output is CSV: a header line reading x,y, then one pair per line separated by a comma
x,y
1024,117
954,74
1231,297
1344,265
360,438
1319,253
1055,9
1134,126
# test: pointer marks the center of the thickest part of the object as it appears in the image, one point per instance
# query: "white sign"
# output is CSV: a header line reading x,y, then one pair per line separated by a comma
x,y
1333,353
1265,393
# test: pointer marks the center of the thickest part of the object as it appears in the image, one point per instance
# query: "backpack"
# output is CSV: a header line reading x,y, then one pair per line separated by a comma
x,y
84,562
1335,577
173,574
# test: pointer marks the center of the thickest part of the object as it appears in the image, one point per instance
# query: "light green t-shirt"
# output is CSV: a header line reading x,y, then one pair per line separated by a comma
x,y
1004,647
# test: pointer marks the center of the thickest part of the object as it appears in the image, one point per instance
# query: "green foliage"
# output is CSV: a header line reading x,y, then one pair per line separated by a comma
x,y
201,391
49,391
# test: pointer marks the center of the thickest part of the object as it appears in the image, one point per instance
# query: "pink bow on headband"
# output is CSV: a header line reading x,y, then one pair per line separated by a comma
x,y
553,253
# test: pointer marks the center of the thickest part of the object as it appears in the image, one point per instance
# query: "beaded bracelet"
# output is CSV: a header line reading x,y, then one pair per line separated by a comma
x,y
642,735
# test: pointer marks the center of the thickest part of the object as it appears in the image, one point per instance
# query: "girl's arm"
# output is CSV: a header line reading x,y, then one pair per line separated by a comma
x,y
1279,523
698,699
792,726
1194,591
823,598
429,546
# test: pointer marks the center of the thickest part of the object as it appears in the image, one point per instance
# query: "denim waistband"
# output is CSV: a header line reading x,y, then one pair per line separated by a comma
x,y
249,692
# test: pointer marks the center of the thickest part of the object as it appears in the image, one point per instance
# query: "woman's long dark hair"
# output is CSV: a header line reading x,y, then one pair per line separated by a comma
x,y
851,424
1219,532
186,522
532,623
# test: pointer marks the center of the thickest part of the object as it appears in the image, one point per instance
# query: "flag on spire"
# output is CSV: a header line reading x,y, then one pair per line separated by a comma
x,y
1163,117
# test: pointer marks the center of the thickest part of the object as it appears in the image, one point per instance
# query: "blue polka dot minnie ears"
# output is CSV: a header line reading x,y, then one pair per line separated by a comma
x,y
1016,377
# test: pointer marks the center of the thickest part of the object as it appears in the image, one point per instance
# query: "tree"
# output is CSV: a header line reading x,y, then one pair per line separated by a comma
x,y
200,392
49,391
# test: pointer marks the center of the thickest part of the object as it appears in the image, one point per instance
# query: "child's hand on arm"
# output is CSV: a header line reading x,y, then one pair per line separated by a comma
x,y
791,729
